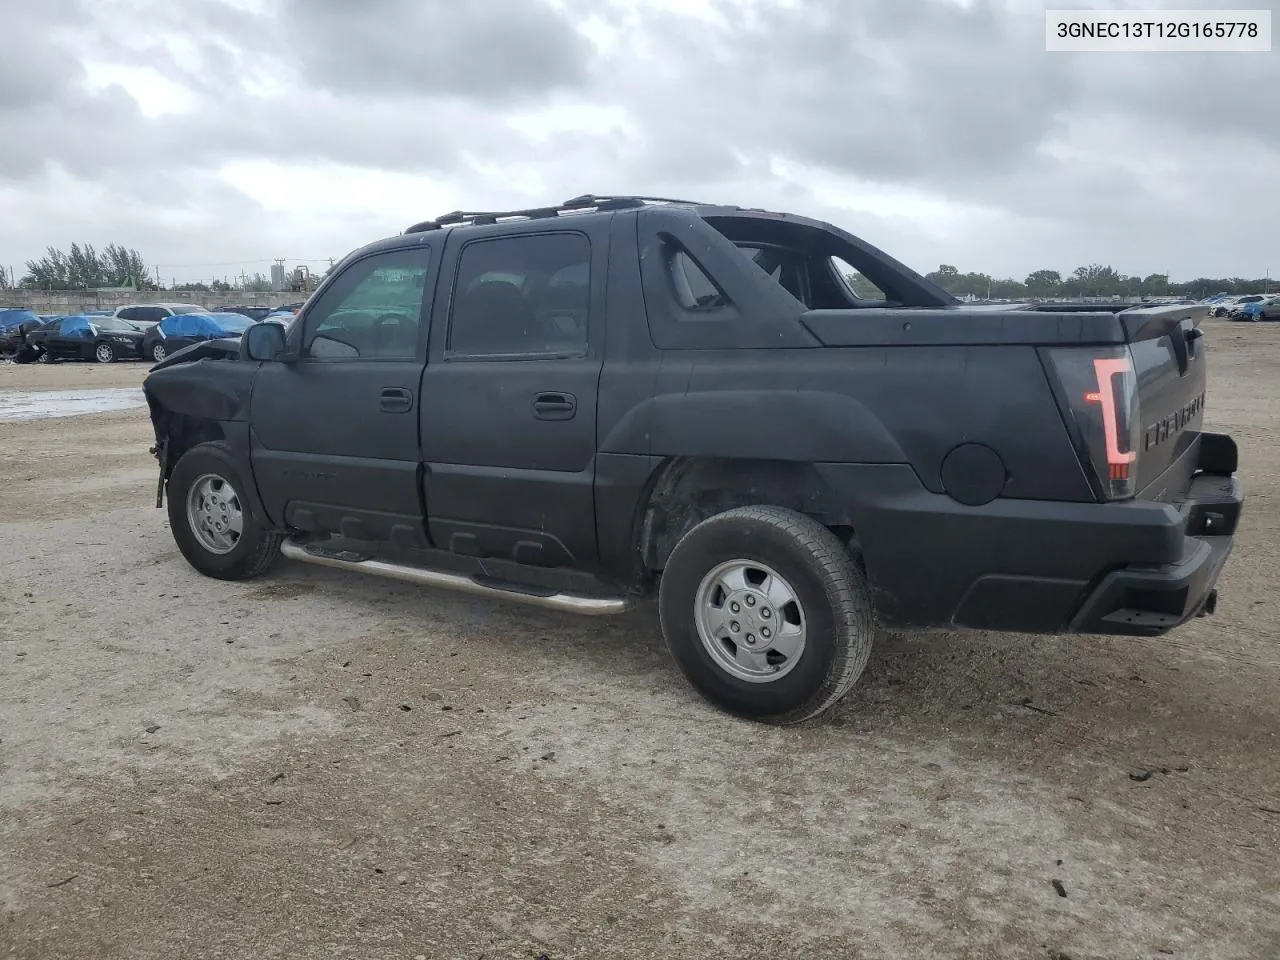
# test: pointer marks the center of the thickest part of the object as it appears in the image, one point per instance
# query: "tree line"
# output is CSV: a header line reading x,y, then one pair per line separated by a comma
x,y
82,267
1095,280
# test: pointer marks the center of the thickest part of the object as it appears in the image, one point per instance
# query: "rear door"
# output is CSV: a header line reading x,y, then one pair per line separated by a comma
x,y
335,433
509,397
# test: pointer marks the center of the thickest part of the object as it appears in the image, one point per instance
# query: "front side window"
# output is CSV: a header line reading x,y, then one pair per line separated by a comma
x,y
523,296
372,310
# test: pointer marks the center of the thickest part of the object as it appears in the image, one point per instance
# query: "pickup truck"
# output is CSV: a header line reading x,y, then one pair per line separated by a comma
x,y
785,434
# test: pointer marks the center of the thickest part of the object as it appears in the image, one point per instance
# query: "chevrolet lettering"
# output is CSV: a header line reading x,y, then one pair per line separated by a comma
x,y
1173,424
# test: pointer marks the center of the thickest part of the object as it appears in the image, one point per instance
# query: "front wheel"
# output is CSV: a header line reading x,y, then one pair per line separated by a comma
x,y
766,614
43,357
158,352
104,353
211,521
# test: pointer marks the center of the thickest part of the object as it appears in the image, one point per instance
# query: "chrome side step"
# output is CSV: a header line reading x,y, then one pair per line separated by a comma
x,y
566,602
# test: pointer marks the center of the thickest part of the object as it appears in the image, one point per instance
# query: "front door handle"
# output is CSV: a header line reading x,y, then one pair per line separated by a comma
x,y
395,400
555,406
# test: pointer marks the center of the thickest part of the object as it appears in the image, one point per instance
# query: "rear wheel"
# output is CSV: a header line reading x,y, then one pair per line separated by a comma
x,y
158,352
104,353
43,357
211,521
766,613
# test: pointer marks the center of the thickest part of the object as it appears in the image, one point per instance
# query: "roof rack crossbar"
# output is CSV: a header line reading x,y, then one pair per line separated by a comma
x,y
584,202
592,200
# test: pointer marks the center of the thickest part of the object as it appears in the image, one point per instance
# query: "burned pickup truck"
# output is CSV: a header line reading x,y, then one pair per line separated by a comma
x,y
784,433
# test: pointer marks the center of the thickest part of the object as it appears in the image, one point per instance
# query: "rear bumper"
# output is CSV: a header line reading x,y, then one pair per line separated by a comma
x,y
1132,568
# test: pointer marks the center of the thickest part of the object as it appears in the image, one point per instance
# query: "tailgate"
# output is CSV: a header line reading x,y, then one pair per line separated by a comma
x,y
1168,351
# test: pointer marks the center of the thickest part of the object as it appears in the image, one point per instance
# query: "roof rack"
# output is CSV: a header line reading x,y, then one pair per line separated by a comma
x,y
585,202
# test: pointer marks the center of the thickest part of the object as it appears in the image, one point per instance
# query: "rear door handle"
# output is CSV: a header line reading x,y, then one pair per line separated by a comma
x,y
555,406
395,400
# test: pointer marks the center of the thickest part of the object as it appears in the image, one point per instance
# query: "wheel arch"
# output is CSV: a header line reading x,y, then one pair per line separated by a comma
x,y
684,491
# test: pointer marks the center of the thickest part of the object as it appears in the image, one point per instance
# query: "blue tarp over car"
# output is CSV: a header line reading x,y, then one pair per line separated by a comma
x,y
204,326
9,319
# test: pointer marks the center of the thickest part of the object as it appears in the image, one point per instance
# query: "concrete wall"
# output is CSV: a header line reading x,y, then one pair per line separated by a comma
x,y
69,301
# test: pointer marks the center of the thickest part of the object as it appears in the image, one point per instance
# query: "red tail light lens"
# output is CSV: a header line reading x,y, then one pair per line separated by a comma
x,y
1098,391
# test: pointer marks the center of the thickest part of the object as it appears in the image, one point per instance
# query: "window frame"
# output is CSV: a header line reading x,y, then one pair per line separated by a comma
x,y
450,355
305,330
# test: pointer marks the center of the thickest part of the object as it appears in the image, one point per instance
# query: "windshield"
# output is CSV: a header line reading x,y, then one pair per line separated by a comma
x,y
111,323
188,308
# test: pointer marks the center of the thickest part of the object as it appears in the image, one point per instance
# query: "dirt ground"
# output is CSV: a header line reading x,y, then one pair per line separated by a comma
x,y
319,765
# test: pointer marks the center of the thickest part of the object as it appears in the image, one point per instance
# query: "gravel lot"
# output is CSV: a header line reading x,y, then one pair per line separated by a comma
x,y
325,765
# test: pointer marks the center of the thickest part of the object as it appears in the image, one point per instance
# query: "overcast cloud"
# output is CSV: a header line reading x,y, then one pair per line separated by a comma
x,y
216,135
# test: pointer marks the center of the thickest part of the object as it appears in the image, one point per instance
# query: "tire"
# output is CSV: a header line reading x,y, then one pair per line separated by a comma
x,y
43,357
104,353
250,554
831,598
158,352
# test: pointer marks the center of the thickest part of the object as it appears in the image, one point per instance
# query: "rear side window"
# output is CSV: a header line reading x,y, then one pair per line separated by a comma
x,y
855,282
523,296
694,289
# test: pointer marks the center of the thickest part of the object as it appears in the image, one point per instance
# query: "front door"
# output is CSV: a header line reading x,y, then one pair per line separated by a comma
x,y
335,431
510,437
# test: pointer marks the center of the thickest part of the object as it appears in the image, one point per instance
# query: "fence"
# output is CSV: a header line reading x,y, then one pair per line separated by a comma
x,y
70,301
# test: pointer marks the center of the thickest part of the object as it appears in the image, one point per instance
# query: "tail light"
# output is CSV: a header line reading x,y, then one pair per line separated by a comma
x,y
1099,396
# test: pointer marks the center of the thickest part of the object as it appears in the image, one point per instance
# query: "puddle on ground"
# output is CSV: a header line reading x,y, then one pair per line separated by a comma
x,y
45,404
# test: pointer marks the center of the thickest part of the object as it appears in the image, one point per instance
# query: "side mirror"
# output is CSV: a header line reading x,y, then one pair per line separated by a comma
x,y
264,341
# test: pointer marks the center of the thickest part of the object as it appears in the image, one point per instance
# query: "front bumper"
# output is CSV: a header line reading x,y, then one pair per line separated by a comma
x,y
1136,568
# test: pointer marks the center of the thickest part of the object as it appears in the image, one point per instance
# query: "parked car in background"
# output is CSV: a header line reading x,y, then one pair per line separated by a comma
x,y
183,329
1237,303
13,326
104,339
1267,308
253,313
144,315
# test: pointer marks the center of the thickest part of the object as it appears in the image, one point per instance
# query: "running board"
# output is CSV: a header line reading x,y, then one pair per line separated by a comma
x,y
493,589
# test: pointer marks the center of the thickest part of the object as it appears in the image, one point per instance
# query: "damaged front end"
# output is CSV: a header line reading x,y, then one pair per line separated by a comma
x,y
198,395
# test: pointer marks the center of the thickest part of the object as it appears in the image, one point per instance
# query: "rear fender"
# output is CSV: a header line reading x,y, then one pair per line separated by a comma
x,y
806,426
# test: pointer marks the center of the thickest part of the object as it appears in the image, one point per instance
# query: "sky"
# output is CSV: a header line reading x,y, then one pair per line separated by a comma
x,y
218,135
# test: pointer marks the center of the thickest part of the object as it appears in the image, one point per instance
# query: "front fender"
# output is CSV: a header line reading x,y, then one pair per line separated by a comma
x,y
204,388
